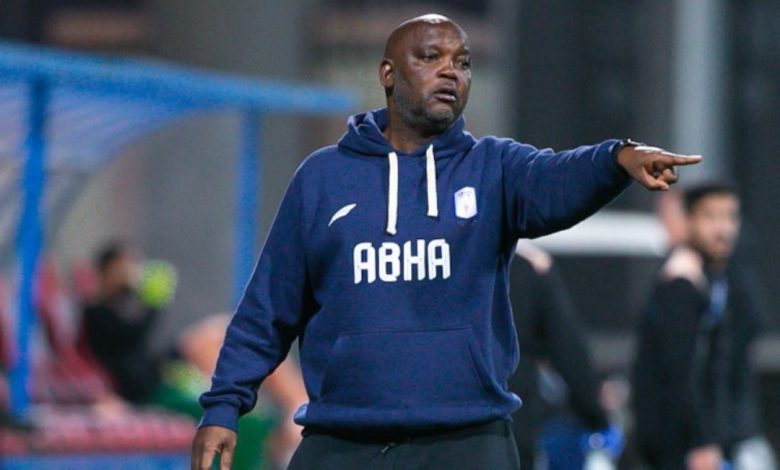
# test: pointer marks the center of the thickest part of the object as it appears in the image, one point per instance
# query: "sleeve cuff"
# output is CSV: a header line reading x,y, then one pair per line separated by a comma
x,y
222,414
615,146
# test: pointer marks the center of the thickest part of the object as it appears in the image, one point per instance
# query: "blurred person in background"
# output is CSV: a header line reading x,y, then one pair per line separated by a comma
x,y
119,322
670,211
118,325
268,435
694,396
407,368
555,371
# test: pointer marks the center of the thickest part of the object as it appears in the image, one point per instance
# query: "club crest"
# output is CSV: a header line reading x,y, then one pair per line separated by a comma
x,y
466,202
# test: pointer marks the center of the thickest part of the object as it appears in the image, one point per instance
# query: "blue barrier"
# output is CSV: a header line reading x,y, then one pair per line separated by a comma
x,y
81,110
119,461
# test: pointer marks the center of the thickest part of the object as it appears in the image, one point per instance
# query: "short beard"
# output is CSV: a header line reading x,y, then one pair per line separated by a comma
x,y
417,116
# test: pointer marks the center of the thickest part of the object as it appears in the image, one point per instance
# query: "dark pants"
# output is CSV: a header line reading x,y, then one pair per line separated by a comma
x,y
485,446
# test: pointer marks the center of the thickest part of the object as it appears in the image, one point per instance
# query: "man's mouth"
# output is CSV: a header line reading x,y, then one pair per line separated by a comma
x,y
446,94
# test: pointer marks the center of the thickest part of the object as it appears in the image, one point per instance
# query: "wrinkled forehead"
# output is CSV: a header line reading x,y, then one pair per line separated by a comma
x,y
440,33
437,33
417,34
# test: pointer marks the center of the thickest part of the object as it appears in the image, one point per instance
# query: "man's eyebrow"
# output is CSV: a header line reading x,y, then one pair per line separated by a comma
x,y
428,44
462,49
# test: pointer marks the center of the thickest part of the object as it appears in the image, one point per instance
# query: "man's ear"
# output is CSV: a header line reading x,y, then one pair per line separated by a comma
x,y
386,75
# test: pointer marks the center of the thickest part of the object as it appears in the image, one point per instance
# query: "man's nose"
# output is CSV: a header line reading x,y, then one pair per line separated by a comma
x,y
448,70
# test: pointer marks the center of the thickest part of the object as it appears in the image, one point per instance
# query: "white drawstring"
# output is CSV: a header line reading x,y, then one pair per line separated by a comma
x,y
430,175
392,193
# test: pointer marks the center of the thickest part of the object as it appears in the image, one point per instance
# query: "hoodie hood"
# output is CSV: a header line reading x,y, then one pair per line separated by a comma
x,y
364,137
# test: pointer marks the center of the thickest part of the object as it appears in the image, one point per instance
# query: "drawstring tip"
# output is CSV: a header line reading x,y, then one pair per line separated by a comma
x,y
430,176
392,193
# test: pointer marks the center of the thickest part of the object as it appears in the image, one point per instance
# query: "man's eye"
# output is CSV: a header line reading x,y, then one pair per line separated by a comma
x,y
466,64
430,57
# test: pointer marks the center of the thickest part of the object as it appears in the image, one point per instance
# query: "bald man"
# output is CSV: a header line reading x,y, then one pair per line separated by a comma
x,y
388,260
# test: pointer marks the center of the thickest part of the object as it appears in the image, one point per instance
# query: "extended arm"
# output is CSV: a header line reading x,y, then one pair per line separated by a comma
x,y
546,191
267,320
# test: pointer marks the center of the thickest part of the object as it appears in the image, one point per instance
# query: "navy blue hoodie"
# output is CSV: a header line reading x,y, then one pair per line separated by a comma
x,y
391,268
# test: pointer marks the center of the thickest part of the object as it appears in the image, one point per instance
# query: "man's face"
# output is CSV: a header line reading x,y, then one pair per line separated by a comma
x,y
432,76
121,274
713,224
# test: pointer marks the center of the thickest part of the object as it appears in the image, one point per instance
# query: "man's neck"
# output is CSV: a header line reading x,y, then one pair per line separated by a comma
x,y
403,136
110,292
715,265
404,139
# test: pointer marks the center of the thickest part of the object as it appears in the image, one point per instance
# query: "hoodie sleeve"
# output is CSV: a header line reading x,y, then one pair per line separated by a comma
x,y
267,320
546,192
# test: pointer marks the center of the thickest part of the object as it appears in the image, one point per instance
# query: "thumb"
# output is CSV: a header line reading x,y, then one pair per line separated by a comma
x,y
650,182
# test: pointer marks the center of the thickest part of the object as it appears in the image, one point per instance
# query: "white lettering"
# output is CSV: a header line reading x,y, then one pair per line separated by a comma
x,y
433,261
442,260
411,260
368,265
389,255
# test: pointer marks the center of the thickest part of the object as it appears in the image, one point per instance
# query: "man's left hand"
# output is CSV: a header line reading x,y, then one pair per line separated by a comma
x,y
653,167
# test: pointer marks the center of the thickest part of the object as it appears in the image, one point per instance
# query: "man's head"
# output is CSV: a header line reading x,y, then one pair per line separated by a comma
x,y
426,73
713,217
117,268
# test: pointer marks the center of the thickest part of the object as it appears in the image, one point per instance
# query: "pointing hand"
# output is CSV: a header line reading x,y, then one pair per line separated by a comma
x,y
653,167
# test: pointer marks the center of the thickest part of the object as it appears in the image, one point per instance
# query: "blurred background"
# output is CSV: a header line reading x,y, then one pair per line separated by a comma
x,y
692,76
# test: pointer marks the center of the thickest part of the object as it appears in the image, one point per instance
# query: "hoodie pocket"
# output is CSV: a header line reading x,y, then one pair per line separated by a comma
x,y
406,369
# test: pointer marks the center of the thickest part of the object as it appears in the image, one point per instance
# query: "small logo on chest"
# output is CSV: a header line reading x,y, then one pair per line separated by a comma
x,y
341,213
466,202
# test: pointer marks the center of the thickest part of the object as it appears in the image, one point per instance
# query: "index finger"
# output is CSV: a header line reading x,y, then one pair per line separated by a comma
x,y
226,459
205,459
676,159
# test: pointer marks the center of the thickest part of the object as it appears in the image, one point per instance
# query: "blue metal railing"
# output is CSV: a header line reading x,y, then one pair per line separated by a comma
x,y
82,109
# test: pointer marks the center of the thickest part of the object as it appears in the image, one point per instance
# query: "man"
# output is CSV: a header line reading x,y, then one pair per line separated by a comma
x,y
118,326
549,331
119,323
388,259
693,385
